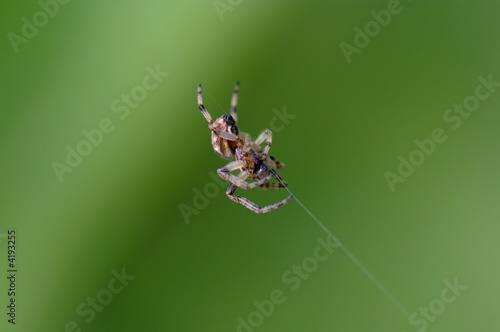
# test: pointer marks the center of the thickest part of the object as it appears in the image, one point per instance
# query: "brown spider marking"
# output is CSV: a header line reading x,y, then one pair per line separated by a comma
x,y
251,159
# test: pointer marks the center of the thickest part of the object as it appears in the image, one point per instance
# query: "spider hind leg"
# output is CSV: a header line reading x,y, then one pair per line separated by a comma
x,y
251,205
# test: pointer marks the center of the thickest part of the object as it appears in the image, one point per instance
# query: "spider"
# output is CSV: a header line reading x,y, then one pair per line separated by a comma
x,y
250,158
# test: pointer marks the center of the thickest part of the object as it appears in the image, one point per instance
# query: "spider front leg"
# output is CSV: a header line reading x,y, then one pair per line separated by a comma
x,y
203,109
234,101
251,205
267,136
224,172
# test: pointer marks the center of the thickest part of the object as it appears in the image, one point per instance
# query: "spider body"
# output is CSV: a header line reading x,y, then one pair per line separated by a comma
x,y
251,159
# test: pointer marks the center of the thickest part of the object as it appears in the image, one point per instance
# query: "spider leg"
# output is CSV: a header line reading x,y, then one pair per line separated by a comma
x,y
275,185
234,101
224,172
202,107
274,163
251,205
267,136
244,136
226,135
247,142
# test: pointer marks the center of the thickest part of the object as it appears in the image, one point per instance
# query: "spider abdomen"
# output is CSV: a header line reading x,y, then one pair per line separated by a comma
x,y
223,147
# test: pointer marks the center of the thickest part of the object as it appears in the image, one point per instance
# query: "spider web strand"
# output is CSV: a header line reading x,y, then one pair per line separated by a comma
x,y
391,297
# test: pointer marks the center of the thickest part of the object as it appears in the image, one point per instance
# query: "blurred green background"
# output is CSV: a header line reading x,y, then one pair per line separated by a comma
x,y
119,208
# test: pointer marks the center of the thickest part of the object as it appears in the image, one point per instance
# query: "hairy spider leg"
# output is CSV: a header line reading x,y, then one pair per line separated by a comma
x,y
234,101
226,135
251,205
281,184
267,136
274,163
203,108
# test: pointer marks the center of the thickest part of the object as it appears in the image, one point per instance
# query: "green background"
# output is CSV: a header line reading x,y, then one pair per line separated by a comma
x,y
120,207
